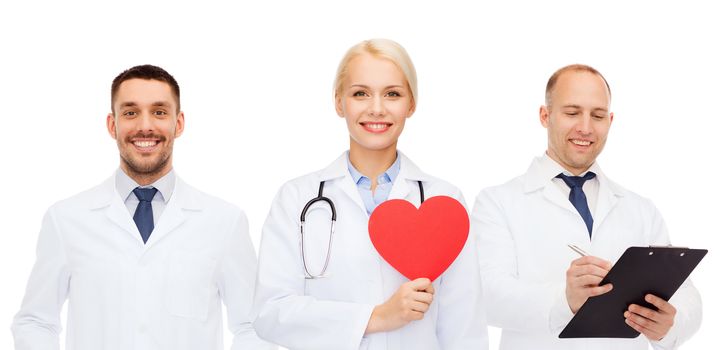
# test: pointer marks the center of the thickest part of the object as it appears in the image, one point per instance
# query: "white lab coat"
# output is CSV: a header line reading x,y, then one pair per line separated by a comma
x,y
523,228
123,294
332,312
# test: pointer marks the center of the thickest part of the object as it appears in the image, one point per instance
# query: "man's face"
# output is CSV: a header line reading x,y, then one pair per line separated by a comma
x,y
577,120
145,121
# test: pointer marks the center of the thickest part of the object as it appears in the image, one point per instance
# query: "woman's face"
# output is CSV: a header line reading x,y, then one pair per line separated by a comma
x,y
375,100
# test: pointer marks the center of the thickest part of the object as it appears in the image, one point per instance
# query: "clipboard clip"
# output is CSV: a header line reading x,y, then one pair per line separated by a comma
x,y
667,246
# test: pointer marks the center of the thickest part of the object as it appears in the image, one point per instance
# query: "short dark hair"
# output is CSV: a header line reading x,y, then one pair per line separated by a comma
x,y
146,72
575,68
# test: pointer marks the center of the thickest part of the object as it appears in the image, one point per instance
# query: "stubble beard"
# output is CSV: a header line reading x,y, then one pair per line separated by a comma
x,y
138,168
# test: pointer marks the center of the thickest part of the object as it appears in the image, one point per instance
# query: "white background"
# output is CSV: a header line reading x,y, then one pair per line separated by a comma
x,y
256,84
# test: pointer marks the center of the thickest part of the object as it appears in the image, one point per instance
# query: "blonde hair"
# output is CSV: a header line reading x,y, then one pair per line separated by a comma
x,y
379,48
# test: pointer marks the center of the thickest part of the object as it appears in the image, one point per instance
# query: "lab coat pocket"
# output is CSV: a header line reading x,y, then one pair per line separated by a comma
x,y
189,285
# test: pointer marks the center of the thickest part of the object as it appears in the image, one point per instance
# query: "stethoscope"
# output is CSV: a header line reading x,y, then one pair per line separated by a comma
x,y
320,197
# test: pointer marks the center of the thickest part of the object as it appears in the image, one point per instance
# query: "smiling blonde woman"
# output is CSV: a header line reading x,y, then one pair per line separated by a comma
x,y
323,290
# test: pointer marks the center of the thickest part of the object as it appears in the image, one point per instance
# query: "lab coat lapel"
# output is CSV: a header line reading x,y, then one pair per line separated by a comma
x,y
349,188
555,196
182,202
608,196
536,179
338,172
113,206
408,172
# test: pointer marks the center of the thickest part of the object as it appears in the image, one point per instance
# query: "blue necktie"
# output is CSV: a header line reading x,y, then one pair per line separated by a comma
x,y
143,216
578,198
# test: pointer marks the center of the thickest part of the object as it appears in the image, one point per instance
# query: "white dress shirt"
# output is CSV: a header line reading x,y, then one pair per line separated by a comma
x,y
125,186
590,187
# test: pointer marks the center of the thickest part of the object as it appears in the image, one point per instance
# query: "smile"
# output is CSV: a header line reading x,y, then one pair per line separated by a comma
x,y
581,142
376,127
145,145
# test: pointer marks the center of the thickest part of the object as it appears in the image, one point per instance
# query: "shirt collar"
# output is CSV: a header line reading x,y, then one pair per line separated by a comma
x,y
387,177
549,168
125,185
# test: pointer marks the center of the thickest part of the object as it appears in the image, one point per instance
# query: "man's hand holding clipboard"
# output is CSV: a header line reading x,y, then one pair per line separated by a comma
x,y
640,285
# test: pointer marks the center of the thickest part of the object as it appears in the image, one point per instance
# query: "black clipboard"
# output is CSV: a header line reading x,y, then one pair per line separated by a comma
x,y
639,271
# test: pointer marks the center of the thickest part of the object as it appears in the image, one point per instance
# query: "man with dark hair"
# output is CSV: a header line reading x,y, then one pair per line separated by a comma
x,y
146,72
531,282
144,259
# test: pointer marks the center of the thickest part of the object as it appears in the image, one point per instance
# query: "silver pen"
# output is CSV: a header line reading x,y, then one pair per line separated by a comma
x,y
578,250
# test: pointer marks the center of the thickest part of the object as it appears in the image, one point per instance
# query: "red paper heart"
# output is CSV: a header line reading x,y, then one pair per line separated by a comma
x,y
423,242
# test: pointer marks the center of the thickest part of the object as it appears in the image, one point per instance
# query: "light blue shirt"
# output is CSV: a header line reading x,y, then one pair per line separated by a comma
x,y
384,183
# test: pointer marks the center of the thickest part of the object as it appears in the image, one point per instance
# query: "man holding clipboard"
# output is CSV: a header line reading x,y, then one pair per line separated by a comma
x,y
532,284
